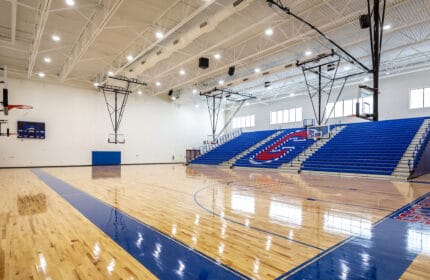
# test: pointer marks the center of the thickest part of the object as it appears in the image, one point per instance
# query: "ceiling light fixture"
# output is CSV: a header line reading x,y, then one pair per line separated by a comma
x,y
308,53
387,26
217,56
139,92
110,73
194,91
269,31
47,59
257,70
157,84
182,72
55,38
129,57
221,82
70,2
159,35
41,75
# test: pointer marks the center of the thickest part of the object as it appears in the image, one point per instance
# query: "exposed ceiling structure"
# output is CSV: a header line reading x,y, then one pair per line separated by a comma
x,y
160,41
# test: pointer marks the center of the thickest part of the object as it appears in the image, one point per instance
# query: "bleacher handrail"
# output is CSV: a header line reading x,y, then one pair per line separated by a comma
x,y
419,149
221,140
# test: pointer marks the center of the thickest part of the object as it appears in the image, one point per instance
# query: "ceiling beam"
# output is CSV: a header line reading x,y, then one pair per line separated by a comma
x,y
13,21
89,34
330,26
42,17
281,68
167,35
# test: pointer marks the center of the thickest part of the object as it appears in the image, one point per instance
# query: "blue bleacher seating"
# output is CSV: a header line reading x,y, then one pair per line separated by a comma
x,y
368,148
233,147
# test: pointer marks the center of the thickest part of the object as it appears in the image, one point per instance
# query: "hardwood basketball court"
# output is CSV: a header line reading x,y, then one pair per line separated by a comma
x,y
215,139
247,223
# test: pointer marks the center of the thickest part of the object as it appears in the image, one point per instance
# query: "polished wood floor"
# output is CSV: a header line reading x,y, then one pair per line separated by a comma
x,y
260,223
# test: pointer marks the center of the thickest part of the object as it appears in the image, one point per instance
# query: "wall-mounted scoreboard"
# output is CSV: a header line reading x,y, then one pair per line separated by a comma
x,y
31,130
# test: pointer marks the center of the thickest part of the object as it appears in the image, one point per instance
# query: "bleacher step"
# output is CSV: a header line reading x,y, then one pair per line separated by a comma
x,y
295,164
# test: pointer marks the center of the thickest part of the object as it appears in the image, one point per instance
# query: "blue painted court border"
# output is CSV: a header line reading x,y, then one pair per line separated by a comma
x,y
163,256
362,258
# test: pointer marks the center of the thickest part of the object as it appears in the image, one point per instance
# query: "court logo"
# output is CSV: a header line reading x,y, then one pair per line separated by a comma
x,y
279,149
417,213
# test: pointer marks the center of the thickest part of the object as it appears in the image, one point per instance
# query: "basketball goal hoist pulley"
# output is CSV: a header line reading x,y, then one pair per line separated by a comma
x,y
116,107
325,66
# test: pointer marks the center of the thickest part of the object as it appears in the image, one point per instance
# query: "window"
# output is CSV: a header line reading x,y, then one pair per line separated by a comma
x,y
273,119
299,114
286,116
245,121
328,110
338,109
347,108
280,118
419,98
427,97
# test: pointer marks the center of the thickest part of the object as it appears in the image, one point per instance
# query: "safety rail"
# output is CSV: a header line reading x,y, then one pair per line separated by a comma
x,y
419,149
220,141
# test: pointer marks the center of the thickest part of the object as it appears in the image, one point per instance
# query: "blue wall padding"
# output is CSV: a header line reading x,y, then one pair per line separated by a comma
x,y
106,157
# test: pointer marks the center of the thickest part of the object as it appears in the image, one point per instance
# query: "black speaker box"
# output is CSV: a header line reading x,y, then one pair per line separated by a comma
x,y
203,62
364,21
231,70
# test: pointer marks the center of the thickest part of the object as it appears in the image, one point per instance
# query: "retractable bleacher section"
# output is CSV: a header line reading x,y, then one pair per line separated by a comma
x,y
365,148
233,147
282,149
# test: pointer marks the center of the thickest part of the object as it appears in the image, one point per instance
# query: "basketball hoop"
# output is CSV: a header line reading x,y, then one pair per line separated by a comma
x,y
21,107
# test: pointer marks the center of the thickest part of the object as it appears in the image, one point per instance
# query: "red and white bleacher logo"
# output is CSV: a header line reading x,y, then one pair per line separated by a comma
x,y
278,149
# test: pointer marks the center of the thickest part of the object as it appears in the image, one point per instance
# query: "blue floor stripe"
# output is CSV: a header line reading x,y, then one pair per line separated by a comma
x,y
386,254
165,257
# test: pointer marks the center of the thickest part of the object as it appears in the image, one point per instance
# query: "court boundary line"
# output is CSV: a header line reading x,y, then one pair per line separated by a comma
x,y
212,260
251,227
339,244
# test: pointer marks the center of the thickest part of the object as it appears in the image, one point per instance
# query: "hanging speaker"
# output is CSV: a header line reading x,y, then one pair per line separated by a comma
x,y
170,92
203,62
231,70
364,21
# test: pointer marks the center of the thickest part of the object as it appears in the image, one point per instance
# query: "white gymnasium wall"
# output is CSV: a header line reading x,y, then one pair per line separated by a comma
x,y
77,122
393,102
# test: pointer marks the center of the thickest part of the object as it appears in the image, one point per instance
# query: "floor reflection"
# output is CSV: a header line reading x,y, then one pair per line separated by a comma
x,y
105,172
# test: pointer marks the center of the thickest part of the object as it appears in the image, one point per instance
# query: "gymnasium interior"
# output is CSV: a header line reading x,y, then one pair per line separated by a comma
x,y
215,139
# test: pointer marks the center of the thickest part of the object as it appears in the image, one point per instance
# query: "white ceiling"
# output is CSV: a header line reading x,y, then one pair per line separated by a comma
x,y
98,35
